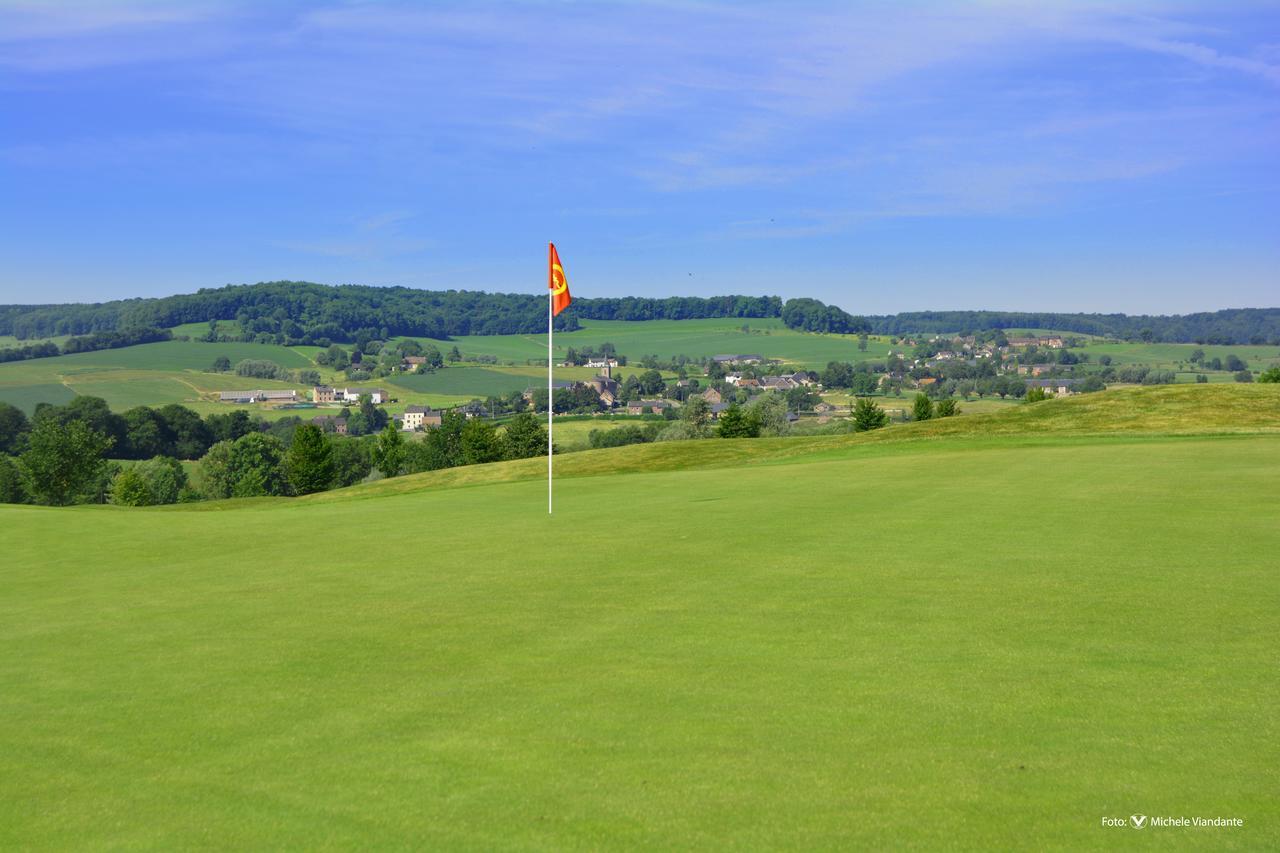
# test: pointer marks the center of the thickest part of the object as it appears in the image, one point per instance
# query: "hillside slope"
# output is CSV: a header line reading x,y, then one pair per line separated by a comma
x,y
1169,410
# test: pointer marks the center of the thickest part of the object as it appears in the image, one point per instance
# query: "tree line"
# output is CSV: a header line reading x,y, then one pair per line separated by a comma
x,y
1226,327
80,453
86,343
304,312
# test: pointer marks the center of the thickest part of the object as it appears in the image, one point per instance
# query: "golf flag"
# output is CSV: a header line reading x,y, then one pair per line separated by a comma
x,y
559,285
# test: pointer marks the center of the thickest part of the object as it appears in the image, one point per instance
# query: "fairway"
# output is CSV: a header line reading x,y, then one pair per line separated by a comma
x,y
866,644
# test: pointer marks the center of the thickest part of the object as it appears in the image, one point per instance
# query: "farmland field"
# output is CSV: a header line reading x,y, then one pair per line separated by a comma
x,y
183,676
1167,356
27,397
669,338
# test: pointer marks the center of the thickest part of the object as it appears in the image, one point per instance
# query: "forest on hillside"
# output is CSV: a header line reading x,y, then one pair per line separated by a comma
x,y
303,313
1230,326
302,310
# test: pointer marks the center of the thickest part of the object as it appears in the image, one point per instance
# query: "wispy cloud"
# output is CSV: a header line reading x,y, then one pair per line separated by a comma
x,y
363,131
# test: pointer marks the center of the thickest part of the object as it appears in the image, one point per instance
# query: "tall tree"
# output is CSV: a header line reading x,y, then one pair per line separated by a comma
x,y
62,462
696,412
771,411
736,422
389,451
480,442
13,428
250,466
147,435
922,408
309,464
11,488
524,436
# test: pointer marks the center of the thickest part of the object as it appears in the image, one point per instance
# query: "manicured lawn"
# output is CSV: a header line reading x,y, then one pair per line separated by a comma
x,y
964,642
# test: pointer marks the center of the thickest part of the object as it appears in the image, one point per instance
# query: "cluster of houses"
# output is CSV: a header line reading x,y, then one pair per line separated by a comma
x,y
326,394
771,383
966,349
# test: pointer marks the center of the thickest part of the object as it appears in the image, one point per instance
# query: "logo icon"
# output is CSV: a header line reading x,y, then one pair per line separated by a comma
x,y
1138,820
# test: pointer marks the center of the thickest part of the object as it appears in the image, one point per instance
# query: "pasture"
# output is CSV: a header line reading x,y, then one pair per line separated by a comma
x,y
669,338
148,374
1171,356
187,676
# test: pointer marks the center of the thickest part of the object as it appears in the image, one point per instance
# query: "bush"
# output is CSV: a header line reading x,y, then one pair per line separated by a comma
x,y
1271,374
129,488
680,431
247,467
922,408
868,416
1036,394
633,434
1244,376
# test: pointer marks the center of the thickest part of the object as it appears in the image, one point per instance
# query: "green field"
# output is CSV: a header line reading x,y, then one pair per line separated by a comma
x,y
669,338
1083,622
1169,356
144,375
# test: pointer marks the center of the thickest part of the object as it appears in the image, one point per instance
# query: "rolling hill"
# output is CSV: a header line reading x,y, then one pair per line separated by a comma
x,y
961,633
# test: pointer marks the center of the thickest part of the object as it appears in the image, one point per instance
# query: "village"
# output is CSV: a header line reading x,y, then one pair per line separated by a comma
x,y
940,366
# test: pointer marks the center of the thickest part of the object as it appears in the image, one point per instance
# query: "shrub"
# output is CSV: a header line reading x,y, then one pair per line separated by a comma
x,y
922,408
946,409
868,416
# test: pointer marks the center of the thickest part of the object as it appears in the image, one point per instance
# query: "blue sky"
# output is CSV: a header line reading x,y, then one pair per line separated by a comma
x,y
881,156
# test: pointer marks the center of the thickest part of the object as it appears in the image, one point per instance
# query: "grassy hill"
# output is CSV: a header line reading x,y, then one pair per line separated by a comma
x,y
669,338
148,374
938,636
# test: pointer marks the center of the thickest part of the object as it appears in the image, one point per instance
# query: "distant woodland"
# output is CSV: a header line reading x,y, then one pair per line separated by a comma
x,y
303,313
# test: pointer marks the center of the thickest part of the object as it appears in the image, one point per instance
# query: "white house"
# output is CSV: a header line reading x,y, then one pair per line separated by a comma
x,y
353,395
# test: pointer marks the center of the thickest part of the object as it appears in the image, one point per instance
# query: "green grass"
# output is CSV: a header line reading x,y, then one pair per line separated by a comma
x,y
483,381
9,341
1083,622
27,397
145,375
669,338
1167,356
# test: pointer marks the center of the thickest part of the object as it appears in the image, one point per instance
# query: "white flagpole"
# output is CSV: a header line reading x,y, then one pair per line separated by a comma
x,y
550,400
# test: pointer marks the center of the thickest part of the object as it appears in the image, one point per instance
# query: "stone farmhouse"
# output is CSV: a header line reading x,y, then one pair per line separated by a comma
x,y
325,422
1061,387
420,417
639,407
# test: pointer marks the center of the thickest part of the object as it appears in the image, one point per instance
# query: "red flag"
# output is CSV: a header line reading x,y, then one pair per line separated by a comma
x,y
559,285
